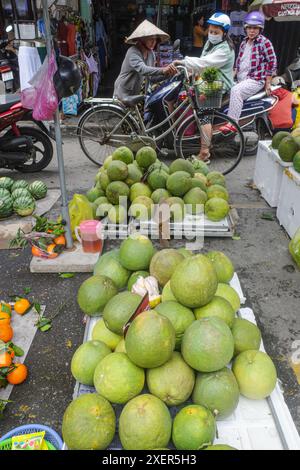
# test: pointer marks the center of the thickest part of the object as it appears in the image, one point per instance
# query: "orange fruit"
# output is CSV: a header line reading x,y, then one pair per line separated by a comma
x,y
51,251
5,358
35,251
6,333
60,240
17,375
5,318
22,306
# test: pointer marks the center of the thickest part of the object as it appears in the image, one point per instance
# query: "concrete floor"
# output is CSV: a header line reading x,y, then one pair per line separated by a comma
x,y
269,278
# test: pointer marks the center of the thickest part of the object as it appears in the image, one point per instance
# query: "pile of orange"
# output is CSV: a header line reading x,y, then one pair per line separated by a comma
x,y
14,373
53,249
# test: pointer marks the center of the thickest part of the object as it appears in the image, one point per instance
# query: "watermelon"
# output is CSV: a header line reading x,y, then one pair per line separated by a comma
x,y
19,184
24,206
4,193
21,192
38,189
6,182
6,206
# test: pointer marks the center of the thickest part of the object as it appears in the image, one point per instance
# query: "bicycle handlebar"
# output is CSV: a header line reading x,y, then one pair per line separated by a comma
x,y
185,70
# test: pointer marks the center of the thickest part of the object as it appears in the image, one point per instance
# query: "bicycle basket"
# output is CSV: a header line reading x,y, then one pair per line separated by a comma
x,y
209,95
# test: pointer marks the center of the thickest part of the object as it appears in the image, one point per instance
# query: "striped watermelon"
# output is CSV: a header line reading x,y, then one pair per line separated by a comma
x,y
6,182
24,206
38,189
6,206
19,184
4,192
20,192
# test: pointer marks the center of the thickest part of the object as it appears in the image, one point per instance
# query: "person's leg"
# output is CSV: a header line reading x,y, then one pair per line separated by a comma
x,y
240,92
206,136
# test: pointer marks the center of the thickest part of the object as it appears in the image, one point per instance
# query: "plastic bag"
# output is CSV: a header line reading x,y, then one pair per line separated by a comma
x,y
294,247
80,209
148,284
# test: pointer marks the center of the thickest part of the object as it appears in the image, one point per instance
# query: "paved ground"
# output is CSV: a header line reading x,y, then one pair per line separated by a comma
x,y
268,276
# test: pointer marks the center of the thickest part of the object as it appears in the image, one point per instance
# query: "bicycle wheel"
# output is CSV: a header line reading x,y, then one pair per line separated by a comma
x,y
226,150
93,132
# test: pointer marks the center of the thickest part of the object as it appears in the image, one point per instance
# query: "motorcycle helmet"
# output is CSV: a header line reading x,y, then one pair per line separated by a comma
x,y
255,18
220,19
67,78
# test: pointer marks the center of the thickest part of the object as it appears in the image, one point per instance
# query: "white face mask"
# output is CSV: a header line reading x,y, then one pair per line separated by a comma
x,y
215,38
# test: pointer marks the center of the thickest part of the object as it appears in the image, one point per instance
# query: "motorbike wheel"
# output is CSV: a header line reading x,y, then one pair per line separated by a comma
x,y
226,150
43,150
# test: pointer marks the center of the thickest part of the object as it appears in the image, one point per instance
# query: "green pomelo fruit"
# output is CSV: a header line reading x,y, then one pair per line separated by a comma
x,y
195,199
119,309
157,179
200,166
220,447
197,183
160,166
107,161
216,209
255,374
194,282
101,200
179,183
103,209
194,427
117,171
134,277
182,165
277,138
111,267
139,189
102,333
185,252
145,423
167,293
85,360
215,177
223,266
134,175
216,190
181,318
159,195
217,391
287,149
104,180
230,294
117,190
217,307
150,340
136,253
246,335
123,154
89,423
117,215
177,210
117,379
121,346
207,344
201,177
295,132
164,263
296,162
145,157
141,208
94,193
173,382
94,293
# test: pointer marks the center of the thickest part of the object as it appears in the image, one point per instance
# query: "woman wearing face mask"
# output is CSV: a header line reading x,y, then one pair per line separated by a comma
x,y
139,62
218,52
255,66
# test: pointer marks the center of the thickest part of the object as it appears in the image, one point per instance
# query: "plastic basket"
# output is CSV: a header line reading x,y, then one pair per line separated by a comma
x,y
209,95
50,435
6,445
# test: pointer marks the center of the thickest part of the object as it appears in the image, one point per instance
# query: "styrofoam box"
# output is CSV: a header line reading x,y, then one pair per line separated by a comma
x,y
288,210
268,172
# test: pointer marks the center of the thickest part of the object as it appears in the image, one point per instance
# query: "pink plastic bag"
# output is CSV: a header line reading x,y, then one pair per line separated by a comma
x,y
42,97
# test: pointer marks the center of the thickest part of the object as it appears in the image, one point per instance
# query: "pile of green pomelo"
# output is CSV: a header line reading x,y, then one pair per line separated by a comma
x,y
143,181
288,146
181,366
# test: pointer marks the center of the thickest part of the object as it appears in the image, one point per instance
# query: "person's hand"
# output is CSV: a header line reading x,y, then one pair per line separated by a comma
x,y
170,70
268,89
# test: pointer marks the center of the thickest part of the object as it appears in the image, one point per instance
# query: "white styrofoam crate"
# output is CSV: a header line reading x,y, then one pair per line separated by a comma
x,y
288,210
255,424
268,172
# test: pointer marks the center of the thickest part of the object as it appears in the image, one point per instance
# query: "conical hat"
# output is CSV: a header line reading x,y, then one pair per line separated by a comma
x,y
144,30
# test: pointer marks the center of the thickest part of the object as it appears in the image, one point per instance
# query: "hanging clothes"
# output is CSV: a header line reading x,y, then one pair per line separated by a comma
x,y
94,71
29,63
71,39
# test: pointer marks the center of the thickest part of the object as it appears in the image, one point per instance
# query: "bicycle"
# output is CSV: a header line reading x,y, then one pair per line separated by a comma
x,y
110,123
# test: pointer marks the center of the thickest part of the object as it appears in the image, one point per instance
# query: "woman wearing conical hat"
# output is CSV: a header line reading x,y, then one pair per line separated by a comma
x,y
139,62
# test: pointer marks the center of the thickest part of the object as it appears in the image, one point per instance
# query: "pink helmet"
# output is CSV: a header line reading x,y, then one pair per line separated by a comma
x,y
255,18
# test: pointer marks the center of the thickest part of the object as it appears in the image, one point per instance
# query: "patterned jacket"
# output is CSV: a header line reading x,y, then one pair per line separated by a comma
x,y
263,58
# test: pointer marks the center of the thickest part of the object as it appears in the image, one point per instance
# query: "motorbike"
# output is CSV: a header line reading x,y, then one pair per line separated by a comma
x,y
23,148
9,67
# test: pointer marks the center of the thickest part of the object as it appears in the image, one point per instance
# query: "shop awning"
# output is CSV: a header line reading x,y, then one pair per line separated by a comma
x,y
280,10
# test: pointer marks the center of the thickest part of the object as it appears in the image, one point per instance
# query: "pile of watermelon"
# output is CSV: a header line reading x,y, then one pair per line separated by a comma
x,y
175,357
19,196
142,181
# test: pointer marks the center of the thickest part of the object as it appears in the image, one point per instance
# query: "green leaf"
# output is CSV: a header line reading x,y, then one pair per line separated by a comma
x,y
27,290
66,275
46,327
18,351
236,237
42,321
37,307
267,216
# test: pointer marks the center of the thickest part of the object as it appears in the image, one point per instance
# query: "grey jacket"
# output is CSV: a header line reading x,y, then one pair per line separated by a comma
x,y
133,71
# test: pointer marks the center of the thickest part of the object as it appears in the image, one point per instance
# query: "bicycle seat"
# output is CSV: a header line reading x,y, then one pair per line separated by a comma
x,y
132,101
7,101
259,96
